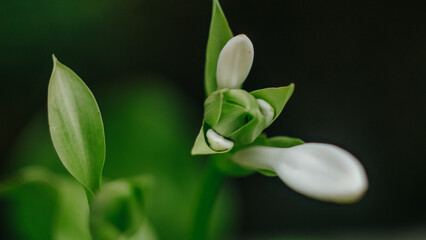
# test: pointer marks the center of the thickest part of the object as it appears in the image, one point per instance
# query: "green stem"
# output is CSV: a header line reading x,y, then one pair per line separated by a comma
x,y
207,196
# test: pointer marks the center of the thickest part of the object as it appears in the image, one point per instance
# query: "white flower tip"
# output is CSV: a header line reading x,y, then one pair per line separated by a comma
x,y
317,170
234,63
218,142
267,110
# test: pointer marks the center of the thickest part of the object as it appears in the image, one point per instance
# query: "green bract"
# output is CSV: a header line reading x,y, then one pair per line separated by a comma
x,y
219,34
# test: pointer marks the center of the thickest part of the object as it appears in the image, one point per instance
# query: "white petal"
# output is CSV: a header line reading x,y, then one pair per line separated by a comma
x,y
267,110
218,142
318,170
234,62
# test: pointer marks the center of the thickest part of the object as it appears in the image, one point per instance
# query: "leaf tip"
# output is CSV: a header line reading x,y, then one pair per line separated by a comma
x,y
55,62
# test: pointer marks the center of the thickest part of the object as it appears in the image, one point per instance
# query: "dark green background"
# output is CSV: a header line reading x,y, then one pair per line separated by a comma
x,y
359,69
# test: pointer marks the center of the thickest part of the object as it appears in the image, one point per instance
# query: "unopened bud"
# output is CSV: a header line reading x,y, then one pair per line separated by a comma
x,y
217,142
234,62
267,110
234,114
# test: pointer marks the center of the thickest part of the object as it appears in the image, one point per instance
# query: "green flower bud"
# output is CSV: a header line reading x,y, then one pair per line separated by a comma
x,y
234,114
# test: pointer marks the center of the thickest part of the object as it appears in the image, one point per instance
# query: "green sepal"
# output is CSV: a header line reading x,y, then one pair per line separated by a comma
x,y
283,142
219,35
201,147
76,127
277,97
118,211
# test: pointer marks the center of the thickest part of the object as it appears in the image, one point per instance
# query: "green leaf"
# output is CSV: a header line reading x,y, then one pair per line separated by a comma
x,y
201,147
150,129
219,35
276,97
29,202
76,126
72,215
118,211
47,206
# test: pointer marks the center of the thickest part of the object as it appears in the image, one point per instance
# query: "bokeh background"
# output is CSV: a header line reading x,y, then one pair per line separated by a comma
x,y
359,69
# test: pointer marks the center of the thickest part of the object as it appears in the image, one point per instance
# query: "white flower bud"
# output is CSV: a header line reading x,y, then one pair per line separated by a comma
x,y
318,170
267,110
217,142
234,62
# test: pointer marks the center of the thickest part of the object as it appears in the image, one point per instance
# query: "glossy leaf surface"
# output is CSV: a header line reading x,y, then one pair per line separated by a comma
x,y
76,126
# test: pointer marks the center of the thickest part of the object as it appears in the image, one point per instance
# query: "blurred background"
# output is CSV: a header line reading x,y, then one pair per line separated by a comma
x,y
360,74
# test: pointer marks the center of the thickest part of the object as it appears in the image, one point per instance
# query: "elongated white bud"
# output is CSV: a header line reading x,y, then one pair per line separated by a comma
x,y
234,62
218,142
267,110
318,170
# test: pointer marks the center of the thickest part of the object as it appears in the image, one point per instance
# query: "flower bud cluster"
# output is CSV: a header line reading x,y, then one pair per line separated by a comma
x,y
234,114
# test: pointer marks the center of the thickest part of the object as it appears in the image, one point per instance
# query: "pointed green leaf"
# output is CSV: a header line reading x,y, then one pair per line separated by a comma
x,y
151,107
76,126
219,35
201,147
276,97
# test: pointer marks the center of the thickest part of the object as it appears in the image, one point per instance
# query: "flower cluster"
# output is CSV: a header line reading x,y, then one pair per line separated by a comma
x,y
234,120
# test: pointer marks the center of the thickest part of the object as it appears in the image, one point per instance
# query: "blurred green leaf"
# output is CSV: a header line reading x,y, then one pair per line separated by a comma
x,y
72,215
118,211
219,35
47,206
76,126
277,97
228,167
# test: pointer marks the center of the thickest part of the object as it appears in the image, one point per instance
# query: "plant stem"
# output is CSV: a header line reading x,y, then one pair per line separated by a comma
x,y
210,186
